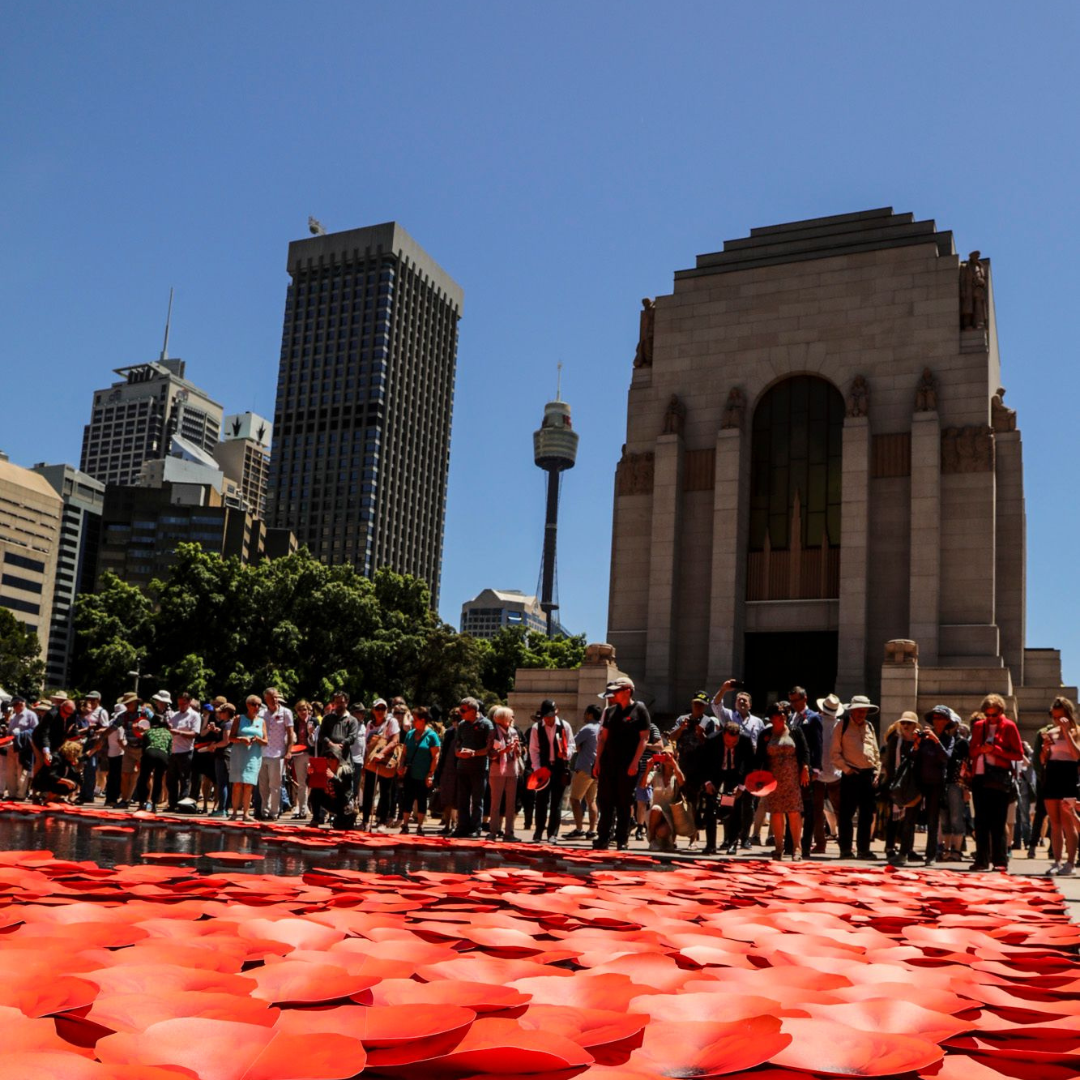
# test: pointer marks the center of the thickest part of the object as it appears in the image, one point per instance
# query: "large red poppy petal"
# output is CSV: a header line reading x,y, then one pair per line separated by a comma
x,y
834,1049
704,1048
589,1028
299,933
496,1046
209,1049
23,1033
481,997
379,1025
60,1065
896,1017
301,1057
301,982
136,1012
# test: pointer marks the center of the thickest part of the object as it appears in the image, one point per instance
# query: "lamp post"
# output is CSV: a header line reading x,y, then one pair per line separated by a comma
x,y
137,675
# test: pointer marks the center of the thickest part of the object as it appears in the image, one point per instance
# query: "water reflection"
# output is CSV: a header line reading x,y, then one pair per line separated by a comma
x,y
75,840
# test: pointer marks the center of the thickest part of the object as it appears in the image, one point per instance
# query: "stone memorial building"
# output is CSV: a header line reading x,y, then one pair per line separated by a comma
x,y
821,482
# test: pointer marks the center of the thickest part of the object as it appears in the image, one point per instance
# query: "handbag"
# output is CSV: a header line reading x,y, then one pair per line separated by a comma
x,y
1000,778
904,789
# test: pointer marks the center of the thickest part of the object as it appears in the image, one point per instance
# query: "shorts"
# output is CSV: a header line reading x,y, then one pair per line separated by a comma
x,y
643,794
583,787
132,757
414,790
1060,780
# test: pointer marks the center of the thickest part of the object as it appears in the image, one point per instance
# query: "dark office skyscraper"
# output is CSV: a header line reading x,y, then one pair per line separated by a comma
x,y
365,397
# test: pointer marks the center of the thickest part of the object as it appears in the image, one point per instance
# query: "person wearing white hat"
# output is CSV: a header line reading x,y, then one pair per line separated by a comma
x,y
826,786
855,753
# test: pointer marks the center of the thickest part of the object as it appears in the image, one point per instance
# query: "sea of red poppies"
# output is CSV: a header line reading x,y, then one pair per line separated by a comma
x,y
153,972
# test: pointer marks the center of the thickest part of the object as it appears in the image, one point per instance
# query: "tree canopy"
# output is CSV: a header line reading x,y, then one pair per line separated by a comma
x,y
217,626
22,670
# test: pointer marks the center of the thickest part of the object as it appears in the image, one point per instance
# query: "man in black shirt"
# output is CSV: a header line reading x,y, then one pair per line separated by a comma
x,y
473,744
624,731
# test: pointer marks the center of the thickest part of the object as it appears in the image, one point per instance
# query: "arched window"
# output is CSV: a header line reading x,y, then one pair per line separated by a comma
x,y
796,456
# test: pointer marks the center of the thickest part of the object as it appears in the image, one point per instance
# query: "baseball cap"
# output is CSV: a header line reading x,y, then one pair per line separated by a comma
x,y
616,685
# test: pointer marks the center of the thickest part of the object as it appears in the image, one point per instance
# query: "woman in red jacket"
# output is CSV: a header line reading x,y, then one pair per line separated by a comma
x,y
995,745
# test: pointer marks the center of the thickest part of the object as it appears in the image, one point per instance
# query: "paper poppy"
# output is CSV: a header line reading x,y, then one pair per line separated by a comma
x,y
225,1050
503,1046
710,1048
539,779
301,982
760,783
481,997
835,1049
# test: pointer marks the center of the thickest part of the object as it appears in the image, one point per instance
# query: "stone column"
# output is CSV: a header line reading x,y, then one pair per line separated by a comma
x,y
1011,576
854,525
663,568
728,589
925,588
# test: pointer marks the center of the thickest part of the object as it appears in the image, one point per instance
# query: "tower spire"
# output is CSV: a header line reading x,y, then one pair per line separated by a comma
x,y
558,383
168,320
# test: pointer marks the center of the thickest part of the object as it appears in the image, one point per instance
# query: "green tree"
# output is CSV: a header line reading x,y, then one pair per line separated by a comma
x,y
114,634
515,647
22,671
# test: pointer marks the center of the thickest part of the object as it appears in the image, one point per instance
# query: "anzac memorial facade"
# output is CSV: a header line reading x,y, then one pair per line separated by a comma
x,y
821,481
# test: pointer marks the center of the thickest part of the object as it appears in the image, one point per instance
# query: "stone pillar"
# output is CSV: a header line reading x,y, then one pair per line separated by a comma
x,y
899,681
925,587
1011,576
663,568
854,526
728,589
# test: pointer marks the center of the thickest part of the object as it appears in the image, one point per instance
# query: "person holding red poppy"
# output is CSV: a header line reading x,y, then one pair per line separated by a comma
x,y
995,745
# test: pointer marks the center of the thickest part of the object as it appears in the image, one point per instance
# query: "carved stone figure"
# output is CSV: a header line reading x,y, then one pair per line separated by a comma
x,y
1002,418
634,475
675,417
973,290
643,356
734,409
967,449
926,392
858,402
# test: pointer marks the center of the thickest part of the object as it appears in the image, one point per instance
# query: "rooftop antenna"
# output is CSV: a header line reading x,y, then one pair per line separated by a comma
x,y
558,384
168,320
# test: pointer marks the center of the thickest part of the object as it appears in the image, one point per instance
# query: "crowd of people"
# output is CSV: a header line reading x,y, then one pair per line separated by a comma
x,y
817,774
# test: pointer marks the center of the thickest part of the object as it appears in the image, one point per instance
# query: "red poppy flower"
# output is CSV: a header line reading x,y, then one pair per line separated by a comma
x,y
710,1048
835,1049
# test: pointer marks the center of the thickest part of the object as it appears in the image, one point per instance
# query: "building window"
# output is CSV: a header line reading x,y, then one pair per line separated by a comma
x,y
796,451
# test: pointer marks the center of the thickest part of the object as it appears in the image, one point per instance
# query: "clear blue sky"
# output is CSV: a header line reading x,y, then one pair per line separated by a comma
x,y
560,161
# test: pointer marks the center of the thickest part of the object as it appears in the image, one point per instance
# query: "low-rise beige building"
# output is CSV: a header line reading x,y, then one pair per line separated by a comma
x,y
30,512
819,461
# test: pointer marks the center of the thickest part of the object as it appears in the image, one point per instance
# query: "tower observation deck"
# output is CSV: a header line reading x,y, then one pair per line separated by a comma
x,y
554,450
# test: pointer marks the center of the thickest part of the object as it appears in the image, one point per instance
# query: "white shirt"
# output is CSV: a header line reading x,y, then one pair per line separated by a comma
x,y
97,718
186,720
279,731
549,731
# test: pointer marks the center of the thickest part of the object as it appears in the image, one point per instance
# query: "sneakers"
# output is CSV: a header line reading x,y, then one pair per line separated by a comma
x,y
1067,870
1052,869
576,834
869,856
591,834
